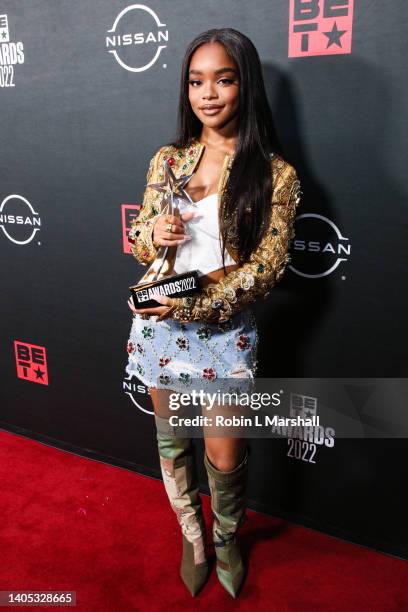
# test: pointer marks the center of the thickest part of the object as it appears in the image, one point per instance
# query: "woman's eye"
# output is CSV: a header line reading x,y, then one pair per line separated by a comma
x,y
227,81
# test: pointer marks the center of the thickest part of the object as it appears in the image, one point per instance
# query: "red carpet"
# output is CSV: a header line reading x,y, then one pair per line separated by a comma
x,y
69,523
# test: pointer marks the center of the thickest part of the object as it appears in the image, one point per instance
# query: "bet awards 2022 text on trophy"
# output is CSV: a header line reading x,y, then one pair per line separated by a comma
x,y
161,278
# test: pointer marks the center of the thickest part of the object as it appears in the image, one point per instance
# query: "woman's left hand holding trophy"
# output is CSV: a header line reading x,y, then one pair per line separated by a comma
x,y
168,232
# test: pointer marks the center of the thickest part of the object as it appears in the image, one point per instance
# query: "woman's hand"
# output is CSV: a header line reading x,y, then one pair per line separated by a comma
x,y
158,310
162,236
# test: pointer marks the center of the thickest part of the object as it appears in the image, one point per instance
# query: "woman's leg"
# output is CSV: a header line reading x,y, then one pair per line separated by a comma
x,y
178,468
226,462
225,453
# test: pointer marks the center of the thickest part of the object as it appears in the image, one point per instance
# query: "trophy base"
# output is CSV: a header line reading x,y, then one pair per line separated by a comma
x,y
178,285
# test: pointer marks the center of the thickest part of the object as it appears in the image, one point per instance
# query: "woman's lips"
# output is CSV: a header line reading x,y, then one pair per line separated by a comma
x,y
211,111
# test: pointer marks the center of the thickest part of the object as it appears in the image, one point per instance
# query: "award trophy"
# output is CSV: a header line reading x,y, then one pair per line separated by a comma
x,y
161,278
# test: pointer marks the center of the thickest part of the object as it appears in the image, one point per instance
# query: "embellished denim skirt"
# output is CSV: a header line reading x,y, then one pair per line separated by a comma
x,y
194,355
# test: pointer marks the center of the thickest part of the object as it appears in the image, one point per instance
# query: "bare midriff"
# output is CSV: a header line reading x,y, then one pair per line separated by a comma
x,y
215,275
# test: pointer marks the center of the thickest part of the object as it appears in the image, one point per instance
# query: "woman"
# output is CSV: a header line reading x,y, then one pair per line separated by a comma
x,y
245,193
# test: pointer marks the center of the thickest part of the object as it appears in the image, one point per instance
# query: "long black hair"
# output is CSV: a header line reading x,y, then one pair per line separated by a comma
x,y
247,202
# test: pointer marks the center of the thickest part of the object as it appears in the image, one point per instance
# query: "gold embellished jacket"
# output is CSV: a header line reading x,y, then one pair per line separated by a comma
x,y
218,301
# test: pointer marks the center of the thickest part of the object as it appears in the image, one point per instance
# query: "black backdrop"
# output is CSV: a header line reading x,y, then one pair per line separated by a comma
x,y
82,112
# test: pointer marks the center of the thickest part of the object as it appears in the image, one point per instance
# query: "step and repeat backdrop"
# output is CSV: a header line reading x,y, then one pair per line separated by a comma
x,y
88,92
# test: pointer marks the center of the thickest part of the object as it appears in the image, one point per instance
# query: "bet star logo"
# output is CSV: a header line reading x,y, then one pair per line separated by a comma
x,y
31,362
320,27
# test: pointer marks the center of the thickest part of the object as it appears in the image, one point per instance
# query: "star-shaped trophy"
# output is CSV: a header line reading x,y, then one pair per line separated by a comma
x,y
161,278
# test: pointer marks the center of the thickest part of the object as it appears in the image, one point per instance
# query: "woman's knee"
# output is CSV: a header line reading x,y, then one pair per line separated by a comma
x,y
225,461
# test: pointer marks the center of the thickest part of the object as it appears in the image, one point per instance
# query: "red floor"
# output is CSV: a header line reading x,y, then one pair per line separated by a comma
x,y
69,523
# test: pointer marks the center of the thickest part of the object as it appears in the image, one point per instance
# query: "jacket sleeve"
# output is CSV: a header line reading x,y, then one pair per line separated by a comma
x,y
266,266
140,235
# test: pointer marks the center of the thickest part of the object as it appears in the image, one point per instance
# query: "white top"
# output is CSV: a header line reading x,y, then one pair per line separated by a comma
x,y
203,252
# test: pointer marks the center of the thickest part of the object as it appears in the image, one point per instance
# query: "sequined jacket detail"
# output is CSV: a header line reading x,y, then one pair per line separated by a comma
x,y
250,281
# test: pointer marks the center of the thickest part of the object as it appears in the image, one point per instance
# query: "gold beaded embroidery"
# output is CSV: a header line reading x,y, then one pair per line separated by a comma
x,y
267,264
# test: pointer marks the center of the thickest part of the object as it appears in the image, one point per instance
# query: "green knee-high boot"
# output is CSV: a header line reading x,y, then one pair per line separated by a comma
x,y
180,481
228,506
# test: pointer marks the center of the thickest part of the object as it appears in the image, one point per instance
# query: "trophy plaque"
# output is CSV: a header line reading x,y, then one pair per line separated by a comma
x,y
160,278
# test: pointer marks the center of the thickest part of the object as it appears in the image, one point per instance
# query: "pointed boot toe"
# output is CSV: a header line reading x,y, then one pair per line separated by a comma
x,y
230,567
194,575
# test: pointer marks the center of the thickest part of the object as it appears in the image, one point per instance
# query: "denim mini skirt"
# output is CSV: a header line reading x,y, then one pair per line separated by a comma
x,y
194,355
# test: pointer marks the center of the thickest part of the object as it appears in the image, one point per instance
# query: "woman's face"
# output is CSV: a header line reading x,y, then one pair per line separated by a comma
x,y
213,82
